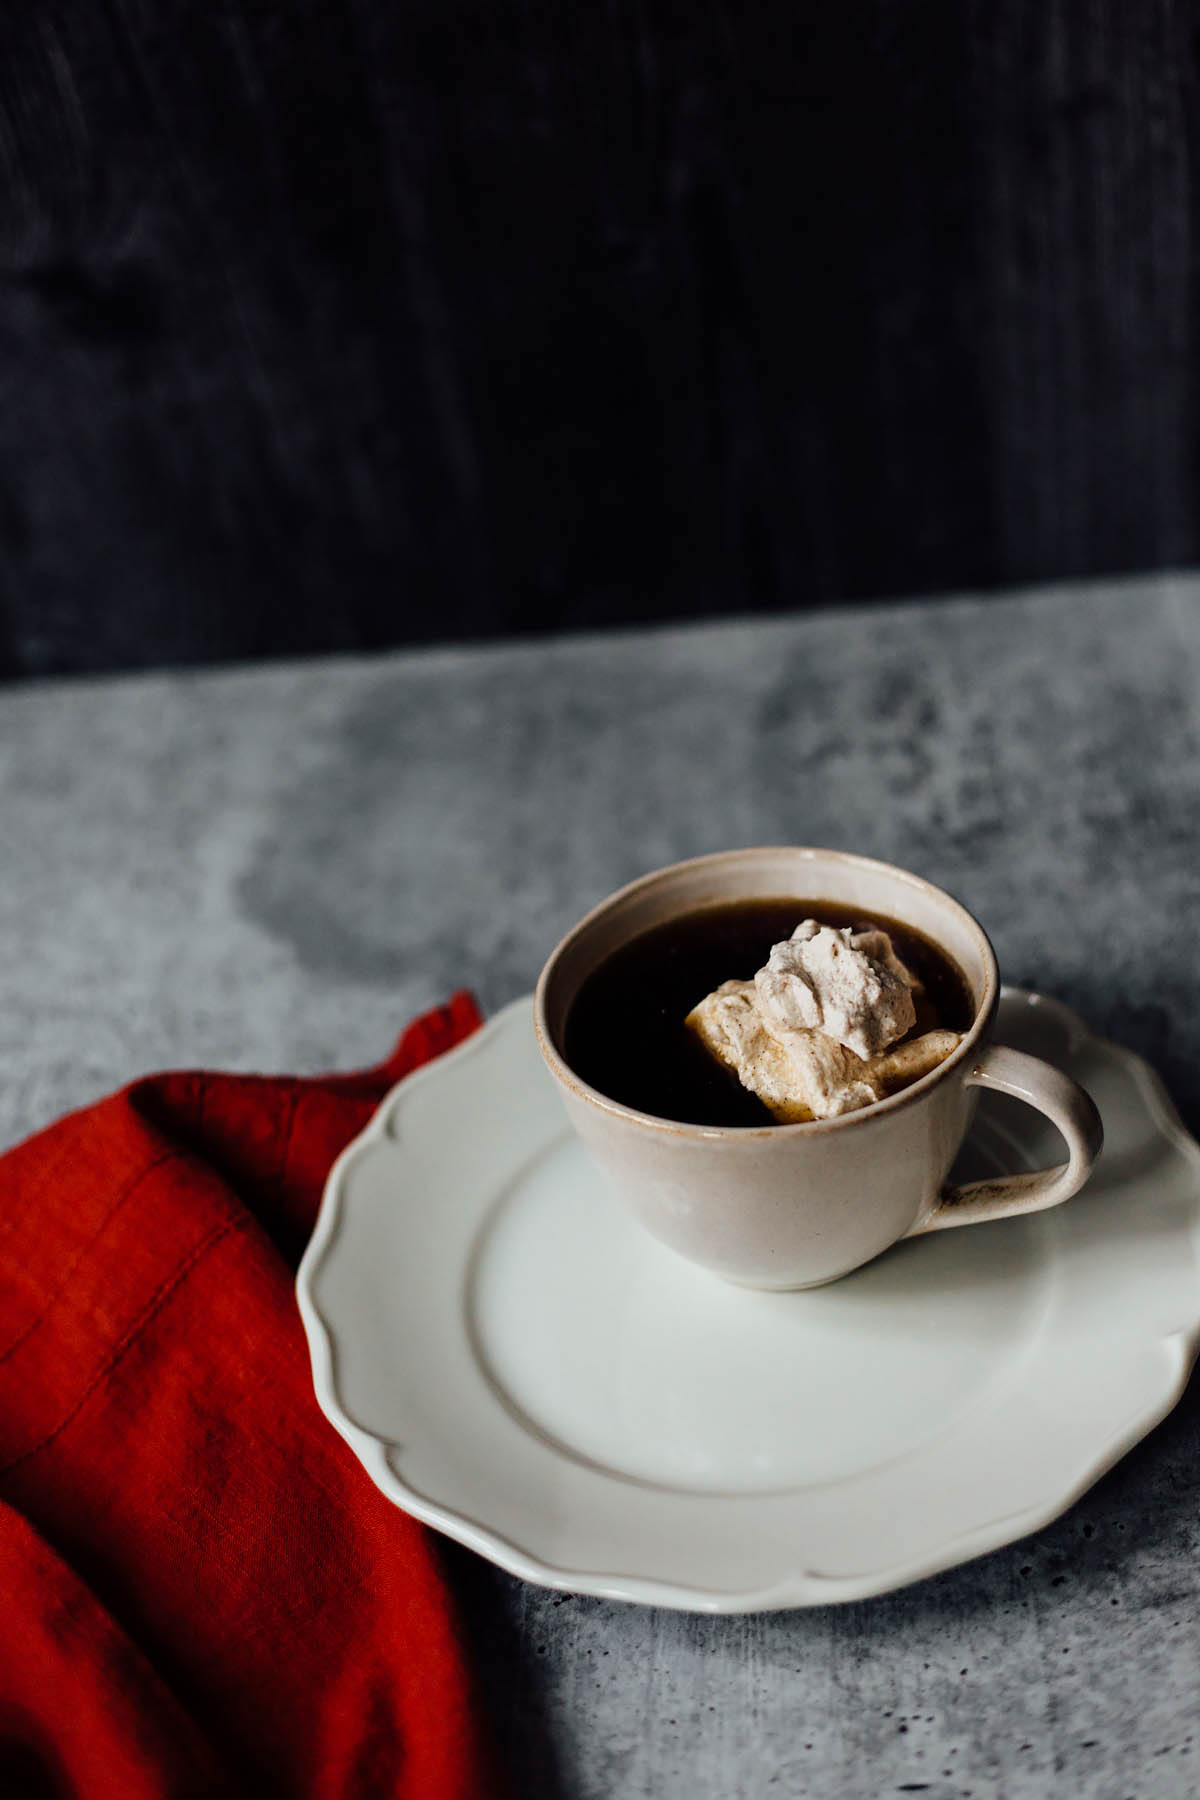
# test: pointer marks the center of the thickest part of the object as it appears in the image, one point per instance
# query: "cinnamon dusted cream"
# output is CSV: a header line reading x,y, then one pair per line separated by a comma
x,y
824,1027
850,986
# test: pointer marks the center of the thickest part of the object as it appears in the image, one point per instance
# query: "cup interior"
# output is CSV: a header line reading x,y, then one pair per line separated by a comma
x,y
778,873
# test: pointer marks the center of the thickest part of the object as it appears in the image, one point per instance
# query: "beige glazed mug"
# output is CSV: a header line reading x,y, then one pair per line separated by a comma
x,y
794,1206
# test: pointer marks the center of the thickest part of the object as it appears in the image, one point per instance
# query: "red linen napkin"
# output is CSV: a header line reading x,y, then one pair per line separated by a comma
x,y
201,1593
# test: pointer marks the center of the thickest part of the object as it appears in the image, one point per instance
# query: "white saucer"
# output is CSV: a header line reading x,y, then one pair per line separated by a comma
x,y
517,1363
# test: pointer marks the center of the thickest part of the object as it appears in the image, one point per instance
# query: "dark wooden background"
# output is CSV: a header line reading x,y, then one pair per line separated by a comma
x,y
349,322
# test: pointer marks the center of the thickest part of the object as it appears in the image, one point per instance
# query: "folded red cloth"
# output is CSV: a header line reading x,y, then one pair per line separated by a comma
x,y
202,1591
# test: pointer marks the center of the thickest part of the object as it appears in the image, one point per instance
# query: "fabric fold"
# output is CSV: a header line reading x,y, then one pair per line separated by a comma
x,y
205,1593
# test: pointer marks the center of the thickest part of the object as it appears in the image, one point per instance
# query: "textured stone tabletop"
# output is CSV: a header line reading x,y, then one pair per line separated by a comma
x,y
275,867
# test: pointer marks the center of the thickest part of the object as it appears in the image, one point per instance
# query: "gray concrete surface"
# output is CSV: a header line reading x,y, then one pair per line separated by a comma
x,y
274,868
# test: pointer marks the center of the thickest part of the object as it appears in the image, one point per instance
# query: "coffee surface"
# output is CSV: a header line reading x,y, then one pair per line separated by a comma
x,y
625,1033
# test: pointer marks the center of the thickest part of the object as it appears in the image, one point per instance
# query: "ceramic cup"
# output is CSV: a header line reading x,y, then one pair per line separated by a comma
x,y
793,1206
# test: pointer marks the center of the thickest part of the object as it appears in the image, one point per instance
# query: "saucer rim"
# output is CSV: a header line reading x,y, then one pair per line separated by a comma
x,y
799,1587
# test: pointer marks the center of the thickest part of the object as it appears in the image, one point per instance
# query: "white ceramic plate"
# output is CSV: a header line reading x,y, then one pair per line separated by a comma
x,y
515,1362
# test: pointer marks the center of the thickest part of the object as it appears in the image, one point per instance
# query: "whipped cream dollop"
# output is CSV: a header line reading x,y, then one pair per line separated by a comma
x,y
850,985
815,1033
799,1074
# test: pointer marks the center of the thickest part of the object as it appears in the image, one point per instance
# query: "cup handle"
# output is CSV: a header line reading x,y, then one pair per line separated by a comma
x,y
1065,1104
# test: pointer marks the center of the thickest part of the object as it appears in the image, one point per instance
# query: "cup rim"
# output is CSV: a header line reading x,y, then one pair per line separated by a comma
x,y
567,1078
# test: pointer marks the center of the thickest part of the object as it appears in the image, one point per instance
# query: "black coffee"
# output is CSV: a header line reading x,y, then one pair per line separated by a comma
x,y
625,1034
